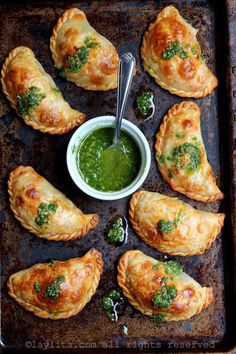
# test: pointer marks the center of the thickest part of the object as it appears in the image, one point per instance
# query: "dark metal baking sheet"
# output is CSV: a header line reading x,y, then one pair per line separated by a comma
x,y
123,22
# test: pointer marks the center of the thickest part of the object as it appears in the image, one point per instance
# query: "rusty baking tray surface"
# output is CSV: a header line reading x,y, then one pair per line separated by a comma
x,y
124,22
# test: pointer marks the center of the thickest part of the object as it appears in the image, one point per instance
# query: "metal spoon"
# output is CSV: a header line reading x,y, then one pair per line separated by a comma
x,y
125,75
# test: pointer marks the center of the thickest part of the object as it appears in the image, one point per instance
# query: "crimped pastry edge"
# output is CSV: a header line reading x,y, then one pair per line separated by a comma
x,y
121,278
133,203
158,147
68,14
62,315
198,94
56,237
51,130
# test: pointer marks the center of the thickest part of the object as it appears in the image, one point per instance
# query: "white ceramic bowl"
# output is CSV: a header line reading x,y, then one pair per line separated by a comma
x,y
101,122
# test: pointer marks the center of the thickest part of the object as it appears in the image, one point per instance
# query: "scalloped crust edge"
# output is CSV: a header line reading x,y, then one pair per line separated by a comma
x,y
51,130
62,315
133,203
57,237
158,147
68,14
207,91
207,292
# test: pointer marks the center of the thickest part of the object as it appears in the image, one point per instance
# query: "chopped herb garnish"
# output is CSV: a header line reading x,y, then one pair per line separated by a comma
x,y
205,57
106,303
164,297
187,156
62,72
173,49
173,267
89,43
74,62
116,233
44,212
53,289
183,54
170,175
155,266
193,50
180,136
159,318
29,100
114,295
109,302
163,280
164,158
144,103
36,286
51,263
56,89
166,226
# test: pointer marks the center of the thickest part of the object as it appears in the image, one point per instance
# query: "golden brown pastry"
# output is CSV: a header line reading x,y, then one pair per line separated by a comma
x,y
172,55
181,154
161,290
44,210
172,226
81,54
34,94
58,289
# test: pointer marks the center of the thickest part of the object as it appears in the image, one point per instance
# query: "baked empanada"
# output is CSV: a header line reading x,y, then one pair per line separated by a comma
x,y
44,210
58,289
81,54
172,55
35,96
172,226
181,155
161,289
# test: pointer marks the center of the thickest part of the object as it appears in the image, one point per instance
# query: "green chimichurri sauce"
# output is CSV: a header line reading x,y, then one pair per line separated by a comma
x,y
29,100
187,156
173,49
144,102
164,297
36,286
73,63
117,230
53,289
113,169
159,318
44,212
167,226
110,303
171,267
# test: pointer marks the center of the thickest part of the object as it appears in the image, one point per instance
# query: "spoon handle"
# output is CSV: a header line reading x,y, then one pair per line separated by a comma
x,y
125,75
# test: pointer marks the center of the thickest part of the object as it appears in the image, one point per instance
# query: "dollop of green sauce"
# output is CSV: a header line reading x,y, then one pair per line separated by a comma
x,y
110,170
172,268
159,318
109,302
144,103
29,100
53,289
164,296
37,286
116,234
186,156
73,63
173,49
167,226
51,262
44,212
